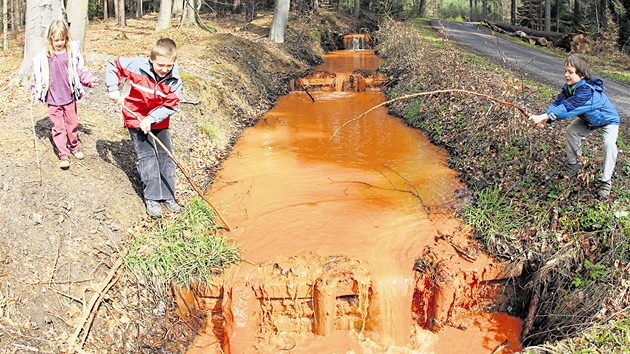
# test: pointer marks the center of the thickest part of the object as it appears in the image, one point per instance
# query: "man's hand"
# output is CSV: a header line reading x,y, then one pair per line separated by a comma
x,y
539,120
115,96
145,125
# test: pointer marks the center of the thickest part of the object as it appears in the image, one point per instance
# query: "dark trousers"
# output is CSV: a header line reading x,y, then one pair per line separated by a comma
x,y
156,168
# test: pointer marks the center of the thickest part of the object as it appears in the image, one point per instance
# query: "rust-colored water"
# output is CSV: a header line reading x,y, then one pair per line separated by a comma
x,y
294,185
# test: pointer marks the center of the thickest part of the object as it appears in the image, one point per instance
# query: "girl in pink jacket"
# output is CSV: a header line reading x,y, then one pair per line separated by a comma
x,y
58,78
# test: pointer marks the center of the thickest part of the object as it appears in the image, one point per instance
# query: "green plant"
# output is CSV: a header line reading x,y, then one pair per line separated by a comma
x,y
493,216
181,249
210,130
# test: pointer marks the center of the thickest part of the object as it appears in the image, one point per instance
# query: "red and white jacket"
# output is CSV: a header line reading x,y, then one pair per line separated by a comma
x,y
142,92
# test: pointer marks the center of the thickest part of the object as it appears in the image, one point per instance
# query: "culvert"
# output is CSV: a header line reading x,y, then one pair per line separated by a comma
x,y
345,224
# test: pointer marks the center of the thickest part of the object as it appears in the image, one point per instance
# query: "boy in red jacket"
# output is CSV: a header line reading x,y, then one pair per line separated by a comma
x,y
151,90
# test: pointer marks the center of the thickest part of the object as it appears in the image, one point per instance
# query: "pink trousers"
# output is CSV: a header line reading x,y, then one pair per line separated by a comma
x,y
65,128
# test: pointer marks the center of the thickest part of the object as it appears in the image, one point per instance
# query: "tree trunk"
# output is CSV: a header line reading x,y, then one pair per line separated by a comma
x,y
557,15
189,16
250,10
513,12
164,16
39,15
577,14
422,8
16,16
78,18
547,15
139,9
279,23
603,17
178,7
472,18
105,9
484,9
237,8
122,18
357,8
5,26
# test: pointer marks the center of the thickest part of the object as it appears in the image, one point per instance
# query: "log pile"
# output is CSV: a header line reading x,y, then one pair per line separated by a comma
x,y
570,42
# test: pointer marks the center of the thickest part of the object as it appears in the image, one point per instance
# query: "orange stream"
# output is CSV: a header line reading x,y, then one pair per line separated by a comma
x,y
289,188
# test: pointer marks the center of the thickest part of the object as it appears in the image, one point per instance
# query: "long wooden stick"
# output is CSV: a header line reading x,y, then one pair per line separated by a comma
x,y
181,168
521,109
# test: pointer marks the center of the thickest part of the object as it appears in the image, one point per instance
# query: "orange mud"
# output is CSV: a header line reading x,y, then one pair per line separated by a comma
x,y
331,228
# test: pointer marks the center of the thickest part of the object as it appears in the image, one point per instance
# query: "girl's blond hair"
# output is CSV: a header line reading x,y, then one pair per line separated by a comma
x,y
57,29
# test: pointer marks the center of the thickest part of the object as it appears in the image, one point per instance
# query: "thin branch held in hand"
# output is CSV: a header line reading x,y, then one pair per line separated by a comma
x,y
507,103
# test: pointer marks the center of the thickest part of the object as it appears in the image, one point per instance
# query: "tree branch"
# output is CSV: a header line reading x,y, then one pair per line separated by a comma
x,y
507,103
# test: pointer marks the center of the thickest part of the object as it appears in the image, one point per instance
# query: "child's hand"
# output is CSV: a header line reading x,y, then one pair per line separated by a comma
x,y
115,96
145,125
539,120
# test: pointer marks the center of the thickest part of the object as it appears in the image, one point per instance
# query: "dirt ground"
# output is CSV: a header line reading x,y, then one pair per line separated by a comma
x,y
62,231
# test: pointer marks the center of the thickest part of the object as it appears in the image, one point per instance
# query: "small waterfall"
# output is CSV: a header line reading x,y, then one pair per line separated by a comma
x,y
356,41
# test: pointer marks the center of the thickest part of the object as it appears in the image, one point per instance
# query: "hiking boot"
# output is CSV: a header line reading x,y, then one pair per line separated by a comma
x,y
603,191
78,154
173,206
64,162
568,171
154,209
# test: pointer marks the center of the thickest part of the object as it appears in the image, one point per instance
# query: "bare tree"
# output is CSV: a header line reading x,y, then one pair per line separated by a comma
x,y
78,17
189,16
164,16
250,10
547,15
39,15
178,7
122,18
357,8
603,8
513,12
279,23
5,26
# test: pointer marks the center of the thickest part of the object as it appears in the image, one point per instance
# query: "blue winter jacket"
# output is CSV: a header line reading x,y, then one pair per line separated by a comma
x,y
588,101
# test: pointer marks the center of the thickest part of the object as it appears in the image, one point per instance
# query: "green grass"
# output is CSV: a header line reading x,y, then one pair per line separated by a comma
x,y
492,216
184,249
612,337
210,130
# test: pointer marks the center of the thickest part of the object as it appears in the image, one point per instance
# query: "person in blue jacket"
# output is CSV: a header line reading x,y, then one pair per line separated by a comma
x,y
583,96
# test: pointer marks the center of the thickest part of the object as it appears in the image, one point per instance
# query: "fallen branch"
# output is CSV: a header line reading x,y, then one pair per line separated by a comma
x,y
531,314
90,311
308,93
507,103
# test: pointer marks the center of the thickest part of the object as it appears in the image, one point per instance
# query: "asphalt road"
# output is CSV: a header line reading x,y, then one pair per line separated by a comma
x,y
534,64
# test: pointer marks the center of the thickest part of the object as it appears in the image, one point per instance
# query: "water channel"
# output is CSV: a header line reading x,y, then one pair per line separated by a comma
x,y
331,220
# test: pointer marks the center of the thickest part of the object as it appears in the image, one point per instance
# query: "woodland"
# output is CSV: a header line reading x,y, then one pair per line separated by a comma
x,y
61,289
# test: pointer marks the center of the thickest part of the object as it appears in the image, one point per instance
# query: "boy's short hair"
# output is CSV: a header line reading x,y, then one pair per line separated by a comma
x,y
164,47
581,65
